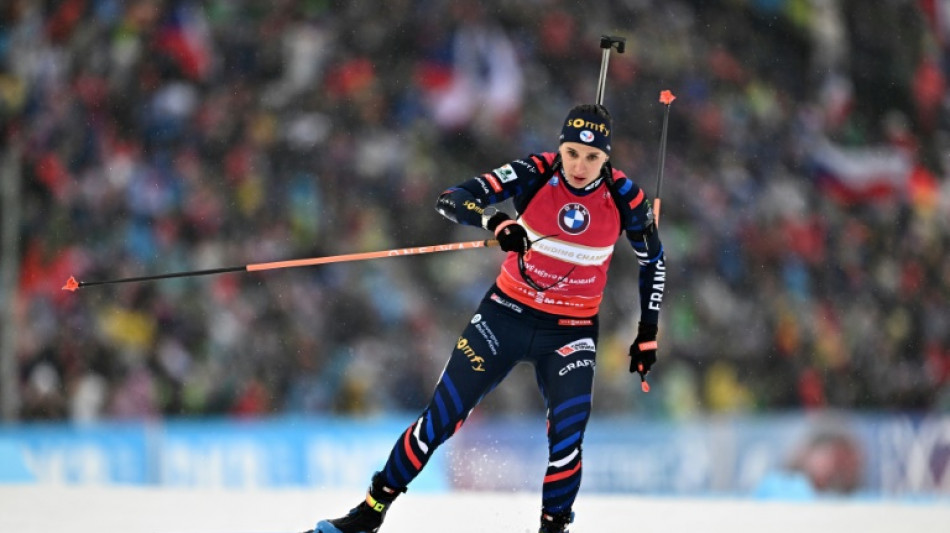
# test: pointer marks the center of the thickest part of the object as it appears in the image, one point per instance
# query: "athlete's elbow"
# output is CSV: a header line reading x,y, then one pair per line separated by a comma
x,y
446,205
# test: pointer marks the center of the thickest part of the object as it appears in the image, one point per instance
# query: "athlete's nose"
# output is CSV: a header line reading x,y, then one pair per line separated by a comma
x,y
579,168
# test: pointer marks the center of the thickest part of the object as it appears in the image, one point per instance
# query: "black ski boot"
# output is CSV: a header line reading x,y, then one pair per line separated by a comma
x,y
368,515
555,522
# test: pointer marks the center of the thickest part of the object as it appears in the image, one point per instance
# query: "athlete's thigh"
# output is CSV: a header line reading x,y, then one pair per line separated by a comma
x,y
490,345
565,361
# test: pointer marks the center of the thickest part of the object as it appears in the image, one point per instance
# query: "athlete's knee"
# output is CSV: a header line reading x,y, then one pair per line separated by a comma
x,y
567,423
433,428
452,428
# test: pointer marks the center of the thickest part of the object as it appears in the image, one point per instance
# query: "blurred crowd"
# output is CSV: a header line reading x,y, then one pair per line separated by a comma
x,y
805,194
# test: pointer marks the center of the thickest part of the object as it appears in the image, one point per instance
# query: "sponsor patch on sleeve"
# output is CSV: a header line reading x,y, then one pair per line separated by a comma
x,y
493,182
506,173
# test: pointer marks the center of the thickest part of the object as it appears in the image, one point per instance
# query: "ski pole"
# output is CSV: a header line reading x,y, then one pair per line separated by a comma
x,y
666,98
73,285
607,43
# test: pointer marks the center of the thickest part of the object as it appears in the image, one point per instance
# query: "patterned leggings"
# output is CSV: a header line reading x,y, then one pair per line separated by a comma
x,y
501,334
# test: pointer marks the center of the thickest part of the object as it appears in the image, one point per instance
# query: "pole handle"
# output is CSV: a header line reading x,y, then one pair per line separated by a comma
x,y
607,43
612,41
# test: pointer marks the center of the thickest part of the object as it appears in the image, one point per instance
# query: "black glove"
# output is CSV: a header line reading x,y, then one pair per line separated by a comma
x,y
511,236
643,350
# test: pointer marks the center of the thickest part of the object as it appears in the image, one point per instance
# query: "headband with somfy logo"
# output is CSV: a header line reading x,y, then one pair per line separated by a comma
x,y
587,128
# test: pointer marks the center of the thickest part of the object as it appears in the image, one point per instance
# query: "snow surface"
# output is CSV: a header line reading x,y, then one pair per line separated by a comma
x,y
49,508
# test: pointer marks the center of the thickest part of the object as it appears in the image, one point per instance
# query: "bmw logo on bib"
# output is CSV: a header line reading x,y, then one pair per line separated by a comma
x,y
573,218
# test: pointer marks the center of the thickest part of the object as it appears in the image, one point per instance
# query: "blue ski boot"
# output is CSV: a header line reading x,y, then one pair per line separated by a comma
x,y
555,522
368,515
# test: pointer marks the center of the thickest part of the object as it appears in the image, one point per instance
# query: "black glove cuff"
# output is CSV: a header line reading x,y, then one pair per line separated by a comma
x,y
495,220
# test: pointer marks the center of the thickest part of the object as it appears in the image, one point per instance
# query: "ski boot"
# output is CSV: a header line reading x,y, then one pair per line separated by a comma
x,y
555,522
368,515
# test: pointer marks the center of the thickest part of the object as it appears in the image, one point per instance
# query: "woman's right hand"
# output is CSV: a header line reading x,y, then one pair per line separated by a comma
x,y
511,236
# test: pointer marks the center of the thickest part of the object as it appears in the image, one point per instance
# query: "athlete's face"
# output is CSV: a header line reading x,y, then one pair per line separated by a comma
x,y
581,163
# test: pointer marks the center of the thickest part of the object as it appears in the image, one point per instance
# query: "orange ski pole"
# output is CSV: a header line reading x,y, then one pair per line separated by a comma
x,y
666,98
73,285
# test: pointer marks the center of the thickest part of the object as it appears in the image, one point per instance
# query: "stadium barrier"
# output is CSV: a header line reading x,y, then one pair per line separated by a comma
x,y
790,456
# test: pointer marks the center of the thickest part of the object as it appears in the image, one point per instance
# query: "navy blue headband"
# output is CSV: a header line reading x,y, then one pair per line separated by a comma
x,y
586,128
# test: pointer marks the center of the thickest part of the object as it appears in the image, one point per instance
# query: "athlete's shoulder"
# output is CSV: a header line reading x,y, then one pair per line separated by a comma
x,y
631,193
634,205
533,165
